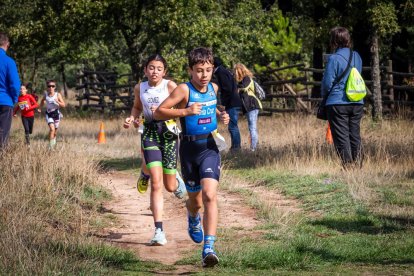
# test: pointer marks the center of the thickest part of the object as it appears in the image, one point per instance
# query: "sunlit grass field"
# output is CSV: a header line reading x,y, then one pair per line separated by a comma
x,y
348,221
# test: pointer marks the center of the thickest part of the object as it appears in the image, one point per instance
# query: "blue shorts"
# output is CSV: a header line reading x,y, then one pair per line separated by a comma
x,y
199,159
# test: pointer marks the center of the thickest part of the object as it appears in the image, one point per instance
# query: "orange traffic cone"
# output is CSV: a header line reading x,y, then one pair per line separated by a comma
x,y
329,138
101,135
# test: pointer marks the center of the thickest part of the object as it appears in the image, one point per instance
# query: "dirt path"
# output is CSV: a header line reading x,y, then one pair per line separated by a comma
x,y
136,225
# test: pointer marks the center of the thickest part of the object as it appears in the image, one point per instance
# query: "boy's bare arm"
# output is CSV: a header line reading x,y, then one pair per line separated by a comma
x,y
60,101
178,98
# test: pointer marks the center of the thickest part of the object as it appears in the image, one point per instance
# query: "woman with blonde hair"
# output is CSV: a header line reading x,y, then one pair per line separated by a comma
x,y
250,103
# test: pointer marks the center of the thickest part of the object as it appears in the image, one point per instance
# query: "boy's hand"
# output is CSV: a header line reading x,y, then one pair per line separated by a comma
x,y
224,117
39,110
14,115
128,121
194,109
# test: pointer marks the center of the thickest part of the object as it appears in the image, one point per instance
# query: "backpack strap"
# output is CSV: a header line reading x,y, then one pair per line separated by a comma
x,y
336,81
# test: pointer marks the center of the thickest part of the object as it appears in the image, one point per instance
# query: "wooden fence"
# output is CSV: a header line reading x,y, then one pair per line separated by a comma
x,y
100,91
299,94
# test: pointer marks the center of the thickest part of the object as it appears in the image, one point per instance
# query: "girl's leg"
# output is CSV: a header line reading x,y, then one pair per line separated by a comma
x,y
252,122
26,126
156,197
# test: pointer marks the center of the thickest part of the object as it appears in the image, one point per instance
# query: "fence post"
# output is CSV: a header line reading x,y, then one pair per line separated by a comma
x,y
390,83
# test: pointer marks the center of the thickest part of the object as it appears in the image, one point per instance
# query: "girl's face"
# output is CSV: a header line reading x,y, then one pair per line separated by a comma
x,y
155,71
23,90
201,75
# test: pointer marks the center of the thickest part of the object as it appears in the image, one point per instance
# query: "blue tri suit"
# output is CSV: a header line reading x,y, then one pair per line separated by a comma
x,y
199,155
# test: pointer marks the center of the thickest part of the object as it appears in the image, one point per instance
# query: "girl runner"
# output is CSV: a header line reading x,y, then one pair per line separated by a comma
x,y
159,143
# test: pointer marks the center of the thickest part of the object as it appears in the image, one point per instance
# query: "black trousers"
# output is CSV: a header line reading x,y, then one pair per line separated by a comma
x,y
345,122
28,127
6,113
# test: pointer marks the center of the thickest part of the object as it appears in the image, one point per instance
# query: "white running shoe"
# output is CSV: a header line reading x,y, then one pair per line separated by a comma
x,y
181,190
159,237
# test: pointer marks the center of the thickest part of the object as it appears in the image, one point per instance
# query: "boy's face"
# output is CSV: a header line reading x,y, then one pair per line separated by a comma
x,y
51,86
201,74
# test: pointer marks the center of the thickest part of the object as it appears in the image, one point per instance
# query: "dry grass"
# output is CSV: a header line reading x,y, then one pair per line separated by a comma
x,y
41,191
297,144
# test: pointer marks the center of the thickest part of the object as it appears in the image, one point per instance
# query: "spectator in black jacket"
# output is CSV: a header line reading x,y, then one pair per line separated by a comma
x,y
229,97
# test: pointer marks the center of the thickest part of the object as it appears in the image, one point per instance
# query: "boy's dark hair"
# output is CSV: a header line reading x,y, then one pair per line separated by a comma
x,y
3,38
200,55
156,57
340,38
49,81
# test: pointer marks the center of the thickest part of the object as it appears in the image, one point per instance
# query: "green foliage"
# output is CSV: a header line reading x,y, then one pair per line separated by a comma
x,y
383,17
280,44
103,34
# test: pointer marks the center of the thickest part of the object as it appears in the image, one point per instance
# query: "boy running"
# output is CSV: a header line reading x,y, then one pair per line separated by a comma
x,y
53,102
195,103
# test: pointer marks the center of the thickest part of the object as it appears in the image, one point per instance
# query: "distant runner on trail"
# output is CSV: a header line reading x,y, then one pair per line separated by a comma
x,y
53,101
26,103
159,141
196,103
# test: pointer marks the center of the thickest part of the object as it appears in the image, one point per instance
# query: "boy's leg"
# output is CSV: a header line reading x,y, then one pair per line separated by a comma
x,y
210,221
209,196
193,204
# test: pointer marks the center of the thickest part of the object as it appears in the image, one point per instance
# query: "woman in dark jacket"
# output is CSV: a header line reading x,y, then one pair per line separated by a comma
x,y
344,116
250,103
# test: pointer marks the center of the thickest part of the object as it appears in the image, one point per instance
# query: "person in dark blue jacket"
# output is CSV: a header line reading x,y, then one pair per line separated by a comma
x,y
344,116
229,97
9,89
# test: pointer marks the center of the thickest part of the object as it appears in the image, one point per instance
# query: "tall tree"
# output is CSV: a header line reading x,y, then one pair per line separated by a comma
x,y
383,19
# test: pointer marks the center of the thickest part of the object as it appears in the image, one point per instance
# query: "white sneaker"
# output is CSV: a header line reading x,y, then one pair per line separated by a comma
x,y
181,190
159,237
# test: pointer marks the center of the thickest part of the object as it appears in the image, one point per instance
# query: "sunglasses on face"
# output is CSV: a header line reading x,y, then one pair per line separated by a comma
x,y
49,86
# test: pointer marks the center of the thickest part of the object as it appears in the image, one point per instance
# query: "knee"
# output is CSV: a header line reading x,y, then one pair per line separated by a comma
x,y
194,203
209,197
156,185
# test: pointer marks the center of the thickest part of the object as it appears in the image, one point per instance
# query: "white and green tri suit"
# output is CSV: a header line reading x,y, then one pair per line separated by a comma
x,y
158,142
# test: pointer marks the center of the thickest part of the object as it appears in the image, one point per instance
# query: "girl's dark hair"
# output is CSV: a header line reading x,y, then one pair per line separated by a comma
x,y
200,55
156,57
340,38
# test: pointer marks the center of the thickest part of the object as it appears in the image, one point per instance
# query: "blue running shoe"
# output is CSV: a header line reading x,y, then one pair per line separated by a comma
x,y
195,230
210,258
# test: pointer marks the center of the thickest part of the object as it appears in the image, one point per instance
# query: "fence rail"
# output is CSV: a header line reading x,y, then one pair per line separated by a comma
x,y
100,90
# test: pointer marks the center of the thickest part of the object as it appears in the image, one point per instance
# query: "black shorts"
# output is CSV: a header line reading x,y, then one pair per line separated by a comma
x,y
160,147
199,159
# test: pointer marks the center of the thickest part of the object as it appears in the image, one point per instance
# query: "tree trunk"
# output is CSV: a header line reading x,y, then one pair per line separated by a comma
x,y
376,80
65,87
33,78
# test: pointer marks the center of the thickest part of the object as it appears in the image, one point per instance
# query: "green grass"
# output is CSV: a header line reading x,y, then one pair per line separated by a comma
x,y
129,164
334,233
